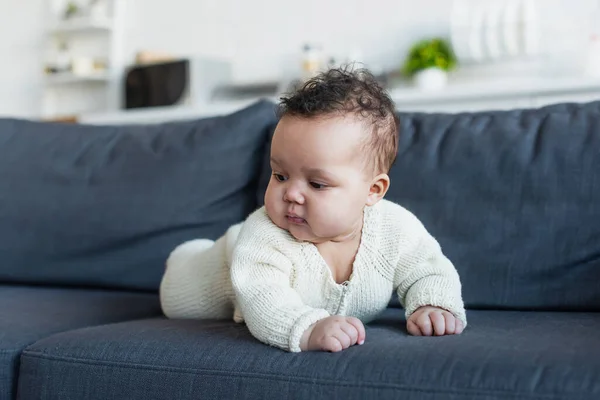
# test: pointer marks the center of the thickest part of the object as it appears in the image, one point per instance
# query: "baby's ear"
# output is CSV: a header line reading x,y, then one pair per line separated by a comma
x,y
378,189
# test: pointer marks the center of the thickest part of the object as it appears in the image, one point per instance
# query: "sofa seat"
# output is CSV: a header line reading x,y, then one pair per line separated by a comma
x,y
501,355
28,314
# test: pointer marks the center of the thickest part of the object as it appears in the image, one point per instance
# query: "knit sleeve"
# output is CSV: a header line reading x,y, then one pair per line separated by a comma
x,y
424,276
260,271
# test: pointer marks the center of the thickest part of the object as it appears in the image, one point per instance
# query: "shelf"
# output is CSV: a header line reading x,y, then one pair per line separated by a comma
x,y
478,89
68,78
463,95
82,25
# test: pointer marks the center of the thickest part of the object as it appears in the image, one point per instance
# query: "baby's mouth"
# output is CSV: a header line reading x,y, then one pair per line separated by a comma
x,y
294,219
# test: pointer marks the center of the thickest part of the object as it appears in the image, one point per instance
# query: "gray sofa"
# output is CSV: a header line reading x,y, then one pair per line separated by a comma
x,y
89,214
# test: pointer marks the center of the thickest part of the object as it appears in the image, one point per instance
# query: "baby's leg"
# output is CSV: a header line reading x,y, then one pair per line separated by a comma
x,y
197,282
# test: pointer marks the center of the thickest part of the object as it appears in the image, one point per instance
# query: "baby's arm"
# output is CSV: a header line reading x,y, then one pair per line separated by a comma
x,y
427,282
260,272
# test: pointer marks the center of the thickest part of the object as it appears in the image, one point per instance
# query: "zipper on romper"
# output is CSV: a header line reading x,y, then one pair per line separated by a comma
x,y
344,289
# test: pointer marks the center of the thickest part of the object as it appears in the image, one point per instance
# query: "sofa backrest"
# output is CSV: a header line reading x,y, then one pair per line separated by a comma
x,y
104,206
513,197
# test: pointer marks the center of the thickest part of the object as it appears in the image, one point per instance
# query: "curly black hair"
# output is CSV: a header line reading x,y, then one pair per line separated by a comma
x,y
347,90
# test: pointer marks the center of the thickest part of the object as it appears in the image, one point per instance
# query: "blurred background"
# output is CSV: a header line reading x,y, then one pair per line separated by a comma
x,y
120,61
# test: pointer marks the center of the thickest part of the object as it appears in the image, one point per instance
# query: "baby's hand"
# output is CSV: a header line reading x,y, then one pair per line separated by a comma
x,y
428,321
334,333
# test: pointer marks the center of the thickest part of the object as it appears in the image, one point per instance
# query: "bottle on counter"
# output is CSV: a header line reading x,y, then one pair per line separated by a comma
x,y
311,61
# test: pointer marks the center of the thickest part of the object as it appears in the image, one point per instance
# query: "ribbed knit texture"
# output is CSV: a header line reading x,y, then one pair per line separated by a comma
x,y
196,283
283,286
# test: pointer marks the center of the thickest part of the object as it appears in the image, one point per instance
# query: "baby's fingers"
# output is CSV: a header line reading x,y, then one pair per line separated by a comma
x,y
343,338
450,323
331,343
424,323
412,328
438,322
351,331
360,329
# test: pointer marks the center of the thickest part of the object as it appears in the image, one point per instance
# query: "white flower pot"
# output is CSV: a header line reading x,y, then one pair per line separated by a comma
x,y
431,79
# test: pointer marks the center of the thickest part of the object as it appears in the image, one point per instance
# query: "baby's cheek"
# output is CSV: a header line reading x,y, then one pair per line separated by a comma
x,y
339,214
330,224
270,198
272,206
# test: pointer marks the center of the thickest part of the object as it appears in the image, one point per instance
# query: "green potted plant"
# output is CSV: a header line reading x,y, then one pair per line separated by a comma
x,y
428,62
71,10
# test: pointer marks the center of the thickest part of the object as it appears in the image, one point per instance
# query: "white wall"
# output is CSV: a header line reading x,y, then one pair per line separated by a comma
x,y
262,37
21,44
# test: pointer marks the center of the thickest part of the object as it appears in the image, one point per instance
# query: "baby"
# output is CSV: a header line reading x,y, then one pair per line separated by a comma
x,y
326,252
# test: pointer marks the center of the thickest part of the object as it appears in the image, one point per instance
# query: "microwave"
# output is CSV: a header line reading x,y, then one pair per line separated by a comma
x,y
171,83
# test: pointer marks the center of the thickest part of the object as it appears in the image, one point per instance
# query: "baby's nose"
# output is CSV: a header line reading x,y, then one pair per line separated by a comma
x,y
293,195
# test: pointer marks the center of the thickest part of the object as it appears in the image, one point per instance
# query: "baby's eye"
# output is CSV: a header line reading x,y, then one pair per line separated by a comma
x,y
317,185
280,178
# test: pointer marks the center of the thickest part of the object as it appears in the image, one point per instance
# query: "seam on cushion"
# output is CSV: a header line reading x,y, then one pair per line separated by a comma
x,y
11,351
295,378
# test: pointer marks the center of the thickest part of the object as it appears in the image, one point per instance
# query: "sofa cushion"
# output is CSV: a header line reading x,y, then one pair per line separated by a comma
x,y
32,313
104,206
501,355
513,198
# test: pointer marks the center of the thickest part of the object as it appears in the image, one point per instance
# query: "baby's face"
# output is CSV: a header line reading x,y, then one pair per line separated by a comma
x,y
319,186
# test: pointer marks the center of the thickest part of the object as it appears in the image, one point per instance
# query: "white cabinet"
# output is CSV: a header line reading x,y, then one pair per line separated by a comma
x,y
82,63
